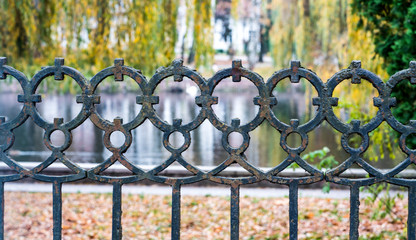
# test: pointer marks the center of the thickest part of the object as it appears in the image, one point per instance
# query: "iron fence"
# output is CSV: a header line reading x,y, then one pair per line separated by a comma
x,y
265,100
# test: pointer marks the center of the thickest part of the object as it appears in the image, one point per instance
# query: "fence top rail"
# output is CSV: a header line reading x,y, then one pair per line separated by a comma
x,y
180,171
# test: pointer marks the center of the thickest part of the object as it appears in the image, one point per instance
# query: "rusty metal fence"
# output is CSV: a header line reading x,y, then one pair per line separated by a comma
x,y
265,100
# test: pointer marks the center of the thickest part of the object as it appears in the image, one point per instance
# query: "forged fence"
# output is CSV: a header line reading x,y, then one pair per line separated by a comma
x,y
265,100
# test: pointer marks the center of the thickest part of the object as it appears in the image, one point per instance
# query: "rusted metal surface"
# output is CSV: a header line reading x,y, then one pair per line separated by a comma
x,y
265,100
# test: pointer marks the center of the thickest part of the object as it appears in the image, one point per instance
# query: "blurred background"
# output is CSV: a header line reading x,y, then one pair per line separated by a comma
x,y
208,34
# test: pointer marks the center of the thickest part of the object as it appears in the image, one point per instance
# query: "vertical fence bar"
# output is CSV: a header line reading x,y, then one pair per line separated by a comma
x,y
117,229
354,211
2,210
176,211
293,210
411,217
57,210
235,212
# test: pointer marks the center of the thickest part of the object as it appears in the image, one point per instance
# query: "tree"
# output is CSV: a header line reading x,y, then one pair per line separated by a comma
x,y
91,33
393,26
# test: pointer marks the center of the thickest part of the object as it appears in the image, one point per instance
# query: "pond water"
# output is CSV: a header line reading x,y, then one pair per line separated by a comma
x,y
147,148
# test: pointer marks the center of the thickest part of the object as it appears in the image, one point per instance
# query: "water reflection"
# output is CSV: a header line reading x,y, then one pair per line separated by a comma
x,y
147,147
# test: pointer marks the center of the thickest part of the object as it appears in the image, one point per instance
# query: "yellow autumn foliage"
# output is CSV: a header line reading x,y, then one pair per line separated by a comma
x,y
90,34
324,36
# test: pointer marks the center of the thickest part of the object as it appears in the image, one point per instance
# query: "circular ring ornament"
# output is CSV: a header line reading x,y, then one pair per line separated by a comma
x,y
295,72
355,73
118,71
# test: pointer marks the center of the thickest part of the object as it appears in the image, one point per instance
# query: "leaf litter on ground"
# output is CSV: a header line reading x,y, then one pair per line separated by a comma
x,y
88,216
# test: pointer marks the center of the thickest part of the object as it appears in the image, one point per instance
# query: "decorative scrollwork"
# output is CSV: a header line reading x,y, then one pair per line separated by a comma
x,y
265,99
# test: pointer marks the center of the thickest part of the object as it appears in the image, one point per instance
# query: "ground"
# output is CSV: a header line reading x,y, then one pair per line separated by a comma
x,y
88,216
